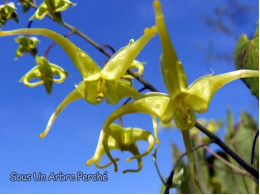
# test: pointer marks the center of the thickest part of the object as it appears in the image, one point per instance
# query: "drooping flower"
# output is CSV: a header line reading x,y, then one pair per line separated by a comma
x,y
123,139
7,12
44,71
97,84
26,4
26,44
54,7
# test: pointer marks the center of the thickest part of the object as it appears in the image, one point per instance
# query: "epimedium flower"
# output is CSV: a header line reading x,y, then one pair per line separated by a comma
x,y
26,44
123,139
54,7
97,84
182,101
7,12
44,71
26,4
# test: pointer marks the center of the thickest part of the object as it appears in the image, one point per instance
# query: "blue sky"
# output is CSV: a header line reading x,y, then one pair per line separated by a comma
x,y
24,111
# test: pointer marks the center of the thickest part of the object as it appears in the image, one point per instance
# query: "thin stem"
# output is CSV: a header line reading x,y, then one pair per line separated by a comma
x,y
140,90
109,47
156,166
169,180
144,82
232,154
220,158
253,148
224,169
29,25
226,162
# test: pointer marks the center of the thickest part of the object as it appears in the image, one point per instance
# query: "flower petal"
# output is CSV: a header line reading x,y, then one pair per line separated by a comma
x,y
112,144
201,91
123,139
118,64
73,96
88,90
171,68
150,103
41,12
125,89
32,74
155,129
63,5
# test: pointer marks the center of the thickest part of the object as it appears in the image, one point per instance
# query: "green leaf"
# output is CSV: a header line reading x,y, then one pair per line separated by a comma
x,y
246,56
240,139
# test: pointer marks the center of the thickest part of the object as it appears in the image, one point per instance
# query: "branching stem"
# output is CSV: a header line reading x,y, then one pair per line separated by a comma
x,y
169,180
226,149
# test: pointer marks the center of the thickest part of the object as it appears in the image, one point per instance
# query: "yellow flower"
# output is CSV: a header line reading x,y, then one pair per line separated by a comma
x,y
182,101
7,12
123,139
54,7
26,44
44,70
97,84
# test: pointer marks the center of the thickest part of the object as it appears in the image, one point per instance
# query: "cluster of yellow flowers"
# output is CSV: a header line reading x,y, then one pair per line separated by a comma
x,y
181,102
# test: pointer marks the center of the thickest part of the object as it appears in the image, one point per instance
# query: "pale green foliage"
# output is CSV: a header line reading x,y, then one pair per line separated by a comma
x,y
246,56
215,176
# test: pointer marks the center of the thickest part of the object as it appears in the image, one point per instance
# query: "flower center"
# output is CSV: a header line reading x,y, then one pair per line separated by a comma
x,y
184,115
101,90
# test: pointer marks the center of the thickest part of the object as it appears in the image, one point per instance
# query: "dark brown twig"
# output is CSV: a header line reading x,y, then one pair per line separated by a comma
x,y
253,148
109,47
